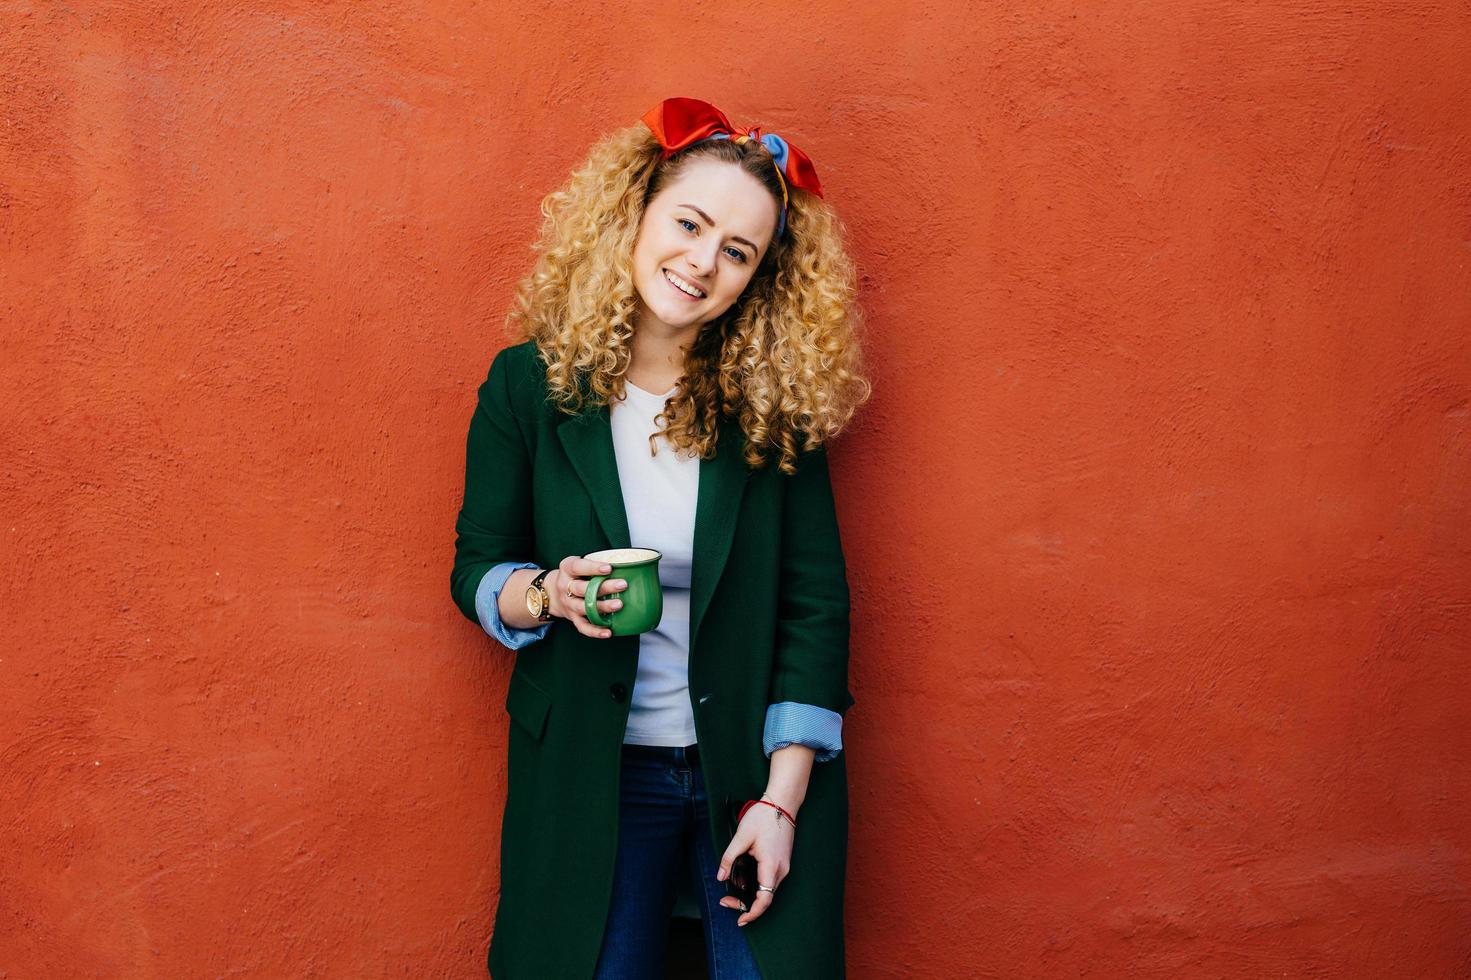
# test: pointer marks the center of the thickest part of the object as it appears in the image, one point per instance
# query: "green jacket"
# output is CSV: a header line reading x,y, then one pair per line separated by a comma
x,y
768,623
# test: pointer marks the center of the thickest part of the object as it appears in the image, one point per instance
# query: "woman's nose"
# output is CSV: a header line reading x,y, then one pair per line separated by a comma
x,y
701,259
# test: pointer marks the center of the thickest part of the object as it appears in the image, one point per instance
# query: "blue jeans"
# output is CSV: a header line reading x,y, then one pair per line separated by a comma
x,y
662,815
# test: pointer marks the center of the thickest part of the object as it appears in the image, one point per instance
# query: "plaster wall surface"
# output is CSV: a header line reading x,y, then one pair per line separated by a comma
x,y
1157,522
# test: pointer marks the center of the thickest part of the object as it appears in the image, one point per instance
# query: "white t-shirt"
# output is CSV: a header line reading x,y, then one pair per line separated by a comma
x,y
659,494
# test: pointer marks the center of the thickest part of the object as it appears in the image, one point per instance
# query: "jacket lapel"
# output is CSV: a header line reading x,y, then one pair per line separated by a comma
x,y
588,441
722,484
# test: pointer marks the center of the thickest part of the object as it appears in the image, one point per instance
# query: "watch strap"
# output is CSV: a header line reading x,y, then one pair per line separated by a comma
x,y
546,600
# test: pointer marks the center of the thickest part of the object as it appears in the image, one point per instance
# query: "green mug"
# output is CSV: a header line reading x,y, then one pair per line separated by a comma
x,y
643,600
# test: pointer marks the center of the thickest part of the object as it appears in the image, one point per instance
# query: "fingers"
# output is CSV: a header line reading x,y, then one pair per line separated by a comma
x,y
769,872
575,613
764,900
569,599
575,567
739,844
607,587
766,874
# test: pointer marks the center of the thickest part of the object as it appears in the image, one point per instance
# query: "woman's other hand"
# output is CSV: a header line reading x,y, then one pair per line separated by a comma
x,y
567,586
768,836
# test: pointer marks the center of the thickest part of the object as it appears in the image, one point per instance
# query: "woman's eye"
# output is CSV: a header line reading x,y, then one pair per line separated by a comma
x,y
693,228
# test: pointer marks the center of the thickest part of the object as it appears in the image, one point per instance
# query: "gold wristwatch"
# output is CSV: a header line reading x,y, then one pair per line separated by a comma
x,y
538,603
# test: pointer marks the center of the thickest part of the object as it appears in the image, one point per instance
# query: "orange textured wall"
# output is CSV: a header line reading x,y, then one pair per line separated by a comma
x,y
1158,522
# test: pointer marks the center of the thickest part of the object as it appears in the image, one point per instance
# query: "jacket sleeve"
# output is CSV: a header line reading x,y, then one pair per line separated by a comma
x,y
494,525
811,657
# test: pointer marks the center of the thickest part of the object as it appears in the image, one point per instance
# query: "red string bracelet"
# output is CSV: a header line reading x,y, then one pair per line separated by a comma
x,y
780,809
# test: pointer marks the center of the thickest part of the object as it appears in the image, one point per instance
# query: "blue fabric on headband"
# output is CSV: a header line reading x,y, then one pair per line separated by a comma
x,y
777,148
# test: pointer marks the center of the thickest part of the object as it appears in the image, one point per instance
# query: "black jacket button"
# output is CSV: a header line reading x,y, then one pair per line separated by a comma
x,y
619,693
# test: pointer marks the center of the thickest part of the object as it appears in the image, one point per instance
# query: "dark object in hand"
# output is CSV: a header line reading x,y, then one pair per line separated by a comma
x,y
741,882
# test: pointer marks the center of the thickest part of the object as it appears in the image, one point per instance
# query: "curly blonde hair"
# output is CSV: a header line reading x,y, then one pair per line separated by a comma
x,y
784,360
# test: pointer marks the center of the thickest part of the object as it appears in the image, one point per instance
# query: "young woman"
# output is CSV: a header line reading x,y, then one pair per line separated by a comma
x,y
690,350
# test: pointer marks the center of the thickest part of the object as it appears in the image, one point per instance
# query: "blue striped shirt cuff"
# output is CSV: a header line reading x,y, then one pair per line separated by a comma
x,y
488,593
789,722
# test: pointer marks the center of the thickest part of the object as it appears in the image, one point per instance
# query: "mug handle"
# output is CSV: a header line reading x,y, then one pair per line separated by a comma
x,y
590,601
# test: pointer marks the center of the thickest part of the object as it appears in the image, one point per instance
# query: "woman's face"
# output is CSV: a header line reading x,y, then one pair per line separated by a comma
x,y
700,241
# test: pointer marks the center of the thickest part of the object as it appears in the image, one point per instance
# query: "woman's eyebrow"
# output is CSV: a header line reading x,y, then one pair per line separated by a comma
x,y
711,222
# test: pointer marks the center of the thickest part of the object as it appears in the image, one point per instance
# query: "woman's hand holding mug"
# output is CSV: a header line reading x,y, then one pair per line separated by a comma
x,y
567,587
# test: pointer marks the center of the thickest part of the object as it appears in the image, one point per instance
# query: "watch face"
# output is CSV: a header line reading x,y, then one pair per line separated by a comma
x,y
533,601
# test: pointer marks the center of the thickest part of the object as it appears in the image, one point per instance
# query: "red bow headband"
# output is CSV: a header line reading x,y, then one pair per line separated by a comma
x,y
678,123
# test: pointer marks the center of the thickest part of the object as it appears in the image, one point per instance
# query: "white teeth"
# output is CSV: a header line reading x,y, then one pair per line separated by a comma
x,y
682,285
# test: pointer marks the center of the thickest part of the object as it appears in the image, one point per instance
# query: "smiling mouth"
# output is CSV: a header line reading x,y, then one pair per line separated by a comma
x,y
690,290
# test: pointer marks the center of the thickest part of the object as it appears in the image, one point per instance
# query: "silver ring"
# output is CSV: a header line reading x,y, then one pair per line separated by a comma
x,y
742,905
763,888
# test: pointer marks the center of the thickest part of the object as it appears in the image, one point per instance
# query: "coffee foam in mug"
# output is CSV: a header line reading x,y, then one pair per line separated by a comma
x,y
622,556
